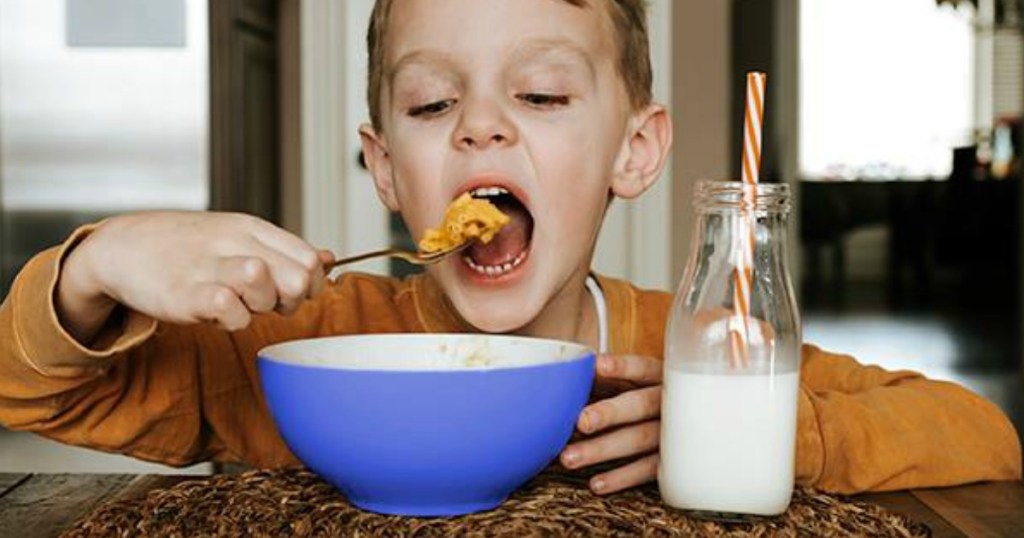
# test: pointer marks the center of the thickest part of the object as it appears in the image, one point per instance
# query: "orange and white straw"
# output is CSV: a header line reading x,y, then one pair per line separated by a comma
x,y
753,123
743,275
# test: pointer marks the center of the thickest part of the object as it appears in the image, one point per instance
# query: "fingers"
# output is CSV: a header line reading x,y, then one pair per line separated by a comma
x,y
250,279
287,244
327,259
622,373
606,388
631,411
629,407
635,473
268,281
294,283
309,261
317,279
634,368
621,443
221,305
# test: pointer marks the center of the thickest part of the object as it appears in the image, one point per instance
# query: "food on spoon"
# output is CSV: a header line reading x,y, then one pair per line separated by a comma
x,y
465,219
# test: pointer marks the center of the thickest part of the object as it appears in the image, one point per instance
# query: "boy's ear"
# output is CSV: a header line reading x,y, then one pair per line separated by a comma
x,y
644,152
378,161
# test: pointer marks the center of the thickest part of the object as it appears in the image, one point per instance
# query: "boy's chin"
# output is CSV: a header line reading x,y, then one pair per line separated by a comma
x,y
504,305
495,314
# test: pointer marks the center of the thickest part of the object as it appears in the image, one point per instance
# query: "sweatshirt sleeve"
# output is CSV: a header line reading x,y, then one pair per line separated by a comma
x,y
862,428
138,389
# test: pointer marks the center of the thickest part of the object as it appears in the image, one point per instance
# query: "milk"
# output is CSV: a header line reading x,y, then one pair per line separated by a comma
x,y
728,441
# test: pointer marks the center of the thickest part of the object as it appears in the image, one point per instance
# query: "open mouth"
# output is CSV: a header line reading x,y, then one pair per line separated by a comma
x,y
510,247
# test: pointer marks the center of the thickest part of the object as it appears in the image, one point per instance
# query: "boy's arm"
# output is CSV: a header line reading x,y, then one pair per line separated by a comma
x,y
135,389
863,428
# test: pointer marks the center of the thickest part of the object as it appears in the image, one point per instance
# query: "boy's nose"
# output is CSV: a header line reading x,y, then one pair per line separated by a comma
x,y
483,125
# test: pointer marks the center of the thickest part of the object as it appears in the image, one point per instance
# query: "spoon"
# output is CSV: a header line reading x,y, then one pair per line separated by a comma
x,y
415,258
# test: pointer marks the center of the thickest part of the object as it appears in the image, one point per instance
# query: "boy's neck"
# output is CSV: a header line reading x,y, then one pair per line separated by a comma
x,y
570,315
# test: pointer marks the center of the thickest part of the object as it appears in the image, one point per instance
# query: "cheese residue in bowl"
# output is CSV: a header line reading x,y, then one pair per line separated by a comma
x,y
466,218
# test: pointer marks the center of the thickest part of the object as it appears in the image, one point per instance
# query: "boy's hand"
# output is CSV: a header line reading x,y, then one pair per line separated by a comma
x,y
623,423
186,267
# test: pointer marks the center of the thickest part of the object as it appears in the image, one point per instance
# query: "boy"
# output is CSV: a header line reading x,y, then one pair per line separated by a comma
x,y
119,339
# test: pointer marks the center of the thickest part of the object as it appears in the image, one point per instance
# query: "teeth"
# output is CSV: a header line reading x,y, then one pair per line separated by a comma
x,y
483,192
495,270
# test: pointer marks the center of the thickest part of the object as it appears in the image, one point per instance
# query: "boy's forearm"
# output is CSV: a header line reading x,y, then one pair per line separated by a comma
x,y
115,398
867,429
922,434
59,327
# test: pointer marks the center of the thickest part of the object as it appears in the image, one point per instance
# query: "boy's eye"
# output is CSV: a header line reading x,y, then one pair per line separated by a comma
x,y
431,109
544,100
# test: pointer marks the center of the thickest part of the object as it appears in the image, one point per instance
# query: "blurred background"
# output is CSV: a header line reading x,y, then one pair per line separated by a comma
x,y
896,122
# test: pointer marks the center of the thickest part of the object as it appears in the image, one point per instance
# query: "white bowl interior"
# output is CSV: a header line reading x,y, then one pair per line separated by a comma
x,y
423,352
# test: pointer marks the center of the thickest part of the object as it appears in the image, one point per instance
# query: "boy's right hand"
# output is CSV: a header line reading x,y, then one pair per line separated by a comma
x,y
187,267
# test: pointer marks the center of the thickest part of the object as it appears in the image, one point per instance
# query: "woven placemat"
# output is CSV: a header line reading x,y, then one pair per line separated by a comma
x,y
296,502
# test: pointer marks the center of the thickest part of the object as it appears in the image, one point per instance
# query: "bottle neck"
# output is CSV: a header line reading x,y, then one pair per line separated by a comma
x,y
729,196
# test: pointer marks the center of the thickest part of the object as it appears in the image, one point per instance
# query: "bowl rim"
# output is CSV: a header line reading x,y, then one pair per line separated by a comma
x,y
585,352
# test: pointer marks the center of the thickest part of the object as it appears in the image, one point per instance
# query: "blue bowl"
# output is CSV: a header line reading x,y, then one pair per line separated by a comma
x,y
426,424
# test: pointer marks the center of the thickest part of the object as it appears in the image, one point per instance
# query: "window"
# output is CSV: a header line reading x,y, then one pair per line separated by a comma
x,y
886,88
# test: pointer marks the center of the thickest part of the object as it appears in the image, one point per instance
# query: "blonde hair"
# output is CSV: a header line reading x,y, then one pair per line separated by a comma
x,y
629,18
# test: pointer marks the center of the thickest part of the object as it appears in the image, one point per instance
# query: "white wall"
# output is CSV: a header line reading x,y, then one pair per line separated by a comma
x,y
701,57
636,239
366,226
322,105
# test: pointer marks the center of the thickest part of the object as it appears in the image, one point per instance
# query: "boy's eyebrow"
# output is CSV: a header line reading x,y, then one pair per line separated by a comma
x,y
422,56
564,50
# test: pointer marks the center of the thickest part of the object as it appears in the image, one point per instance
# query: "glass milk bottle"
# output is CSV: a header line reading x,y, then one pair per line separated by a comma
x,y
728,420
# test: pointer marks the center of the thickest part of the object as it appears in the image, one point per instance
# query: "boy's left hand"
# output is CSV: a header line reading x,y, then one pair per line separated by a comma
x,y
623,422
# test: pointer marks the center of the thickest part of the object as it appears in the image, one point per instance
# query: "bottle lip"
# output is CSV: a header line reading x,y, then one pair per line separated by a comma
x,y
735,195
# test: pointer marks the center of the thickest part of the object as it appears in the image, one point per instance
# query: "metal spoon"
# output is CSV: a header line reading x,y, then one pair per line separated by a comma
x,y
415,258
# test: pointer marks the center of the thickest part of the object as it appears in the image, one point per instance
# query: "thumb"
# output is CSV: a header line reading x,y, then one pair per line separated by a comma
x,y
326,256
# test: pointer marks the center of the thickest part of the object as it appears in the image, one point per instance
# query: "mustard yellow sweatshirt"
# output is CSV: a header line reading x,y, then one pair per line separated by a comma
x,y
183,394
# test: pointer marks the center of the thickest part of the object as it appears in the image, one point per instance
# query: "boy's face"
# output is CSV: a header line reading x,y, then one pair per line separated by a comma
x,y
524,96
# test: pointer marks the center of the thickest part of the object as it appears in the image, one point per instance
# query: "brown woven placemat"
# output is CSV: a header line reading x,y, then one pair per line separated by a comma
x,y
296,502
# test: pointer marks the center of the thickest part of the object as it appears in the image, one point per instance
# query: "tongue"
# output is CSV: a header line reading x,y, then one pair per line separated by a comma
x,y
510,241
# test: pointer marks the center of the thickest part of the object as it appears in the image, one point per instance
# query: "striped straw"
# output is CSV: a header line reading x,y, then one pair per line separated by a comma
x,y
743,274
752,127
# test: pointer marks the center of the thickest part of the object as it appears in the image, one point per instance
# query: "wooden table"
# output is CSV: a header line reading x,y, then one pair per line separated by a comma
x,y
41,505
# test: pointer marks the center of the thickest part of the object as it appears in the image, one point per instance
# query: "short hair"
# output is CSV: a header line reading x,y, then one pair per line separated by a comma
x,y
629,19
